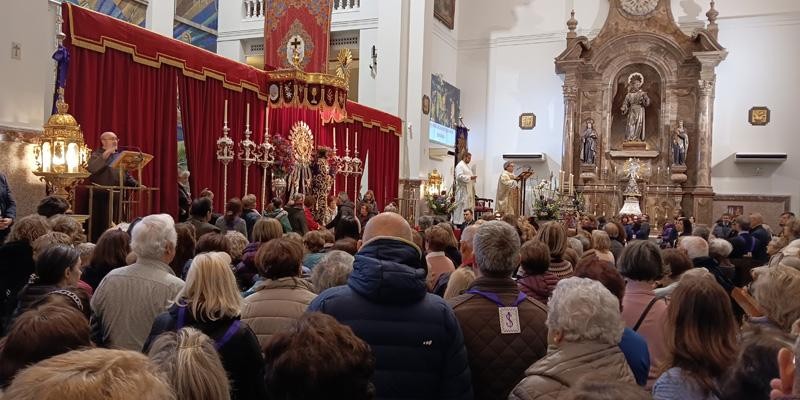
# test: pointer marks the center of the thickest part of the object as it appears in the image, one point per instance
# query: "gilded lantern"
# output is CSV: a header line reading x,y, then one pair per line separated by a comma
x,y
61,154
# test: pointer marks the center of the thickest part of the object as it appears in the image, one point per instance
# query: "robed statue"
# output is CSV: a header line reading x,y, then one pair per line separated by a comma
x,y
589,143
634,107
680,145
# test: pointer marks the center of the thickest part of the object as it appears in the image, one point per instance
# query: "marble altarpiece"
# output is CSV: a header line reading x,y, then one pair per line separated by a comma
x,y
641,49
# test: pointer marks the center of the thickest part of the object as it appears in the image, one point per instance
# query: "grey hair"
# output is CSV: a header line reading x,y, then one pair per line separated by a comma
x,y
695,246
86,249
582,309
468,235
506,164
743,222
576,245
297,196
496,246
719,247
701,231
152,235
343,197
332,270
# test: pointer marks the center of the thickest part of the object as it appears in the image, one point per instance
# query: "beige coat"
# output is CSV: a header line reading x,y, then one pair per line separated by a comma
x,y
552,376
275,305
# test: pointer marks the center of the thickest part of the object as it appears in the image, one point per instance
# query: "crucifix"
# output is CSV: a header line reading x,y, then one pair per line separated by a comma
x,y
295,43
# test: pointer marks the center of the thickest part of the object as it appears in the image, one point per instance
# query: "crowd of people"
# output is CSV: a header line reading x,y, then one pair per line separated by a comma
x,y
273,304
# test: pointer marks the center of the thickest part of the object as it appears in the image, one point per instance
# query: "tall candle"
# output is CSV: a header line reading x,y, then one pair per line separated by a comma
x,y
247,117
355,137
226,112
561,180
334,138
347,139
266,119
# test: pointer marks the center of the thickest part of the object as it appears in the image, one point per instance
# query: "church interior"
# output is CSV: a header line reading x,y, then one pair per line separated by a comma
x,y
637,118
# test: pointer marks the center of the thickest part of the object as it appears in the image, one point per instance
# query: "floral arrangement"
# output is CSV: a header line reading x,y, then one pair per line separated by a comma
x,y
284,158
546,208
440,204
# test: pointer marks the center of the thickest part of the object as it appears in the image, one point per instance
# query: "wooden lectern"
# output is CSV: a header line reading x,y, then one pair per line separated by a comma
x,y
523,178
125,201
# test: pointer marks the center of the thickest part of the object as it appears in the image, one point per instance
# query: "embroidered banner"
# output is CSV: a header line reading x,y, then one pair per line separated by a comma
x,y
297,31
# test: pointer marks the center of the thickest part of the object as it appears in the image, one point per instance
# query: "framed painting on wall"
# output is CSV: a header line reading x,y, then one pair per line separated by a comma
x,y
445,11
735,211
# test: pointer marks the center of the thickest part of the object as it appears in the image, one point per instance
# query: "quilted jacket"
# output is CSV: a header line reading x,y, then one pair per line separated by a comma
x,y
551,377
275,305
498,361
414,336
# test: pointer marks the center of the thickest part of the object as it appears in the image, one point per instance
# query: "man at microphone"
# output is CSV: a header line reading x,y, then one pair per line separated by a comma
x,y
102,173
100,163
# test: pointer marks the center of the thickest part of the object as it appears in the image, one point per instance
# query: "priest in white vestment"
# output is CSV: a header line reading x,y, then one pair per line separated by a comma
x,y
465,189
508,191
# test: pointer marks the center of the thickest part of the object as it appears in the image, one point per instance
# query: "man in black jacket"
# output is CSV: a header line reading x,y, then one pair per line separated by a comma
x,y
344,208
297,214
414,335
758,231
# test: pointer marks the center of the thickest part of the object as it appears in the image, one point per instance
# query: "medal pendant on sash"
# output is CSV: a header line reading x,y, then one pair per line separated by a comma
x,y
509,320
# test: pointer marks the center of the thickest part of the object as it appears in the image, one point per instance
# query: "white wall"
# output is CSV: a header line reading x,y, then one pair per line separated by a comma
x,y
761,70
27,84
505,67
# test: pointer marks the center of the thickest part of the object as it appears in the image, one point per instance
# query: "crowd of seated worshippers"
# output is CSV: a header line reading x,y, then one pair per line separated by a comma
x,y
374,308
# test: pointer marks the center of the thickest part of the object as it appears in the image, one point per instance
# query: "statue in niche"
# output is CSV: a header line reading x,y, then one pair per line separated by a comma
x,y
634,107
680,145
589,143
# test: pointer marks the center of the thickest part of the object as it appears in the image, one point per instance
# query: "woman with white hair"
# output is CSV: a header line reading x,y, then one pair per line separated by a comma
x,y
719,250
585,328
332,270
210,302
771,289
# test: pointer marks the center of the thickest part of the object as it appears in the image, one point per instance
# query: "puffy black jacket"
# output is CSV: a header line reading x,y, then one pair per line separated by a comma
x,y
415,338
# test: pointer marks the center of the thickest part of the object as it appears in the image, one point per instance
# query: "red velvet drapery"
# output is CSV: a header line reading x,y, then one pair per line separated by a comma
x,y
109,92
380,147
128,79
202,113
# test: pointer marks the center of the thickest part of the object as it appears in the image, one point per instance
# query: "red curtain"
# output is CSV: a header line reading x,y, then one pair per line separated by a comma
x,y
202,113
383,149
137,102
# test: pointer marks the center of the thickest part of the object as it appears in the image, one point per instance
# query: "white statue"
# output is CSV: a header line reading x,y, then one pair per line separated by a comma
x,y
634,106
680,145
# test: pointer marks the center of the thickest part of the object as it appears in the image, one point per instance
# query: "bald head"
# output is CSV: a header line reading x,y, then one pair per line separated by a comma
x,y
387,224
109,140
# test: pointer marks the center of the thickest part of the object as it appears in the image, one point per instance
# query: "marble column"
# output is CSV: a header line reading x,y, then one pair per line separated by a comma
x,y
702,194
705,107
570,105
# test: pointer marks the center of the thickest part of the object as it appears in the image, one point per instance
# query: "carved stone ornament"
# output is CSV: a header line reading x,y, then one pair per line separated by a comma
x,y
639,8
674,70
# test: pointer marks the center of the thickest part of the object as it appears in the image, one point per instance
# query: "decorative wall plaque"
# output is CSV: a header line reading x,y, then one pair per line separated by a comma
x,y
527,121
758,116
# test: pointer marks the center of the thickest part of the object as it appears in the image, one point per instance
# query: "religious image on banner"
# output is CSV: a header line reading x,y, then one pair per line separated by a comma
x,y
297,31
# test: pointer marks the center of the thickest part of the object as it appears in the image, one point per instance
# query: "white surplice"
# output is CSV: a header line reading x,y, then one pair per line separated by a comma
x,y
465,192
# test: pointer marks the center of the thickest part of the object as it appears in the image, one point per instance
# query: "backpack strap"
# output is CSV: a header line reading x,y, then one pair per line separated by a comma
x,y
644,313
228,334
